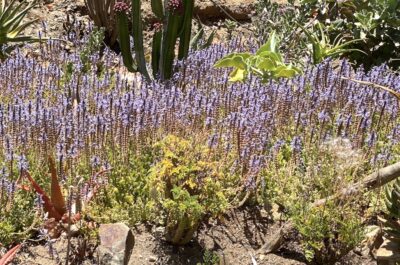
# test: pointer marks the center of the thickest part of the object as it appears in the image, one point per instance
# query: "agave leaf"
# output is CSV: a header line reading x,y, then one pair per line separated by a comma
x,y
323,41
316,45
57,197
396,185
194,43
342,46
6,10
2,6
209,40
15,17
15,32
8,257
11,13
23,39
343,51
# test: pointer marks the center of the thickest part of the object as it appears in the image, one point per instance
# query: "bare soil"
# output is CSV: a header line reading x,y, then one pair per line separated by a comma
x,y
235,238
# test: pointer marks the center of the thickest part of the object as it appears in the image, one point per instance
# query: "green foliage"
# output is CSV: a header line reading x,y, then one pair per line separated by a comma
x,y
284,20
392,218
210,258
375,23
323,48
186,184
176,24
93,45
16,216
267,63
327,233
11,25
103,15
124,199
199,41
294,181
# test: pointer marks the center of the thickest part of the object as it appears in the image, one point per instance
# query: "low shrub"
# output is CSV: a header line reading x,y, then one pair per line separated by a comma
x,y
298,179
187,183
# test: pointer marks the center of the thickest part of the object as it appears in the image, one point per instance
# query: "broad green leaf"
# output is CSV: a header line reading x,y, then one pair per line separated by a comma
x,y
285,71
237,75
277,57
233,60
266,64
271,45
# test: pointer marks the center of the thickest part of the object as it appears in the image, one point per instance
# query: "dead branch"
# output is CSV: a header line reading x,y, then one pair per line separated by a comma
x,y
388,89
370,182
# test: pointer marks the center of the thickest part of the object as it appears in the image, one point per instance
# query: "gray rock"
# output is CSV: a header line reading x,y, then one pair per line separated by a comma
x,y
116,244
389,251
237,9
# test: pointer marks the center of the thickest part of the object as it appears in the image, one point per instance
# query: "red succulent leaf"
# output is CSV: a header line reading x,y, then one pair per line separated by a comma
x,y
24,187
8,257
57,197
47,204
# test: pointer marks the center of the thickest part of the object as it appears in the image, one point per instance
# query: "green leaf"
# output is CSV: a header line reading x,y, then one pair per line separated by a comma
x,y
271,45
237,60
266,64
277,57
285,71
237,75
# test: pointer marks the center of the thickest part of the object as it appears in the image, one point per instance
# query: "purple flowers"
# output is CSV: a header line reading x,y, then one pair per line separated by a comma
x,y
121,7
175,6
118,112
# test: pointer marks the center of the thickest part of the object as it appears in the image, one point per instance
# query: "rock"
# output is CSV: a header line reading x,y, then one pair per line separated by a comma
x,y
373,239
389,251
116,244
237,9
159,231
152,259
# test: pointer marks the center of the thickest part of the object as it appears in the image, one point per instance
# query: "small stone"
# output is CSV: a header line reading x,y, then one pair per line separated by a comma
x,y
389,251
159,231
74,230
152,259
276,212
116,244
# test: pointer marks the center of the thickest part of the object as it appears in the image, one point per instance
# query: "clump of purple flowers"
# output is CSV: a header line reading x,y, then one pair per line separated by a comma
x,y
121,7
157,26
175,6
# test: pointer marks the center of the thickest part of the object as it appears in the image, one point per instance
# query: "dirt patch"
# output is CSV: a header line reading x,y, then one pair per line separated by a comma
x,y
235,238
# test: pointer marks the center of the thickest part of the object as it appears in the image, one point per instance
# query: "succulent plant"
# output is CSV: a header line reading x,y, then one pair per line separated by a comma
x,y
102,12
176,20
11,25
392,220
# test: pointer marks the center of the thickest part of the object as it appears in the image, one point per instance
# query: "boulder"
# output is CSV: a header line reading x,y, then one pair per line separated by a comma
x,y
116,244
225,9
